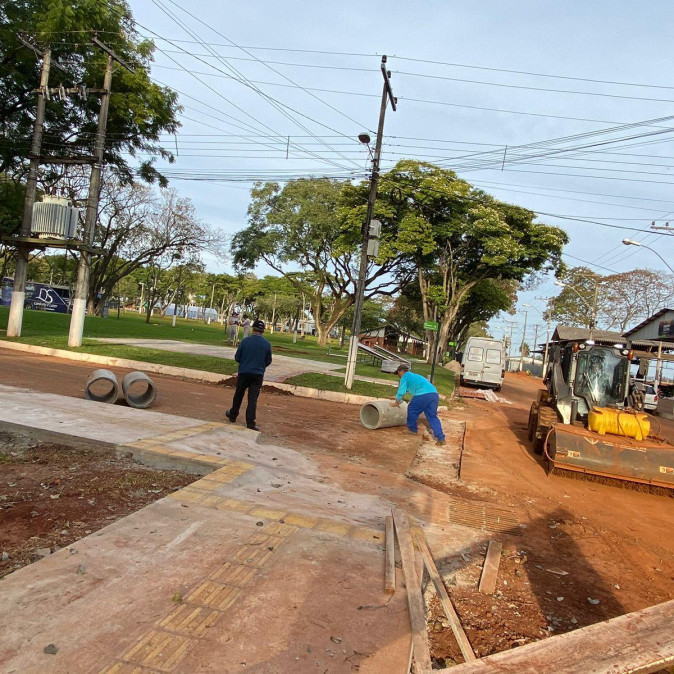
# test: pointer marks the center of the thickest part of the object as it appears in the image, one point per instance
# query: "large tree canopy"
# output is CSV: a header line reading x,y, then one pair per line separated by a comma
x,y
140,110
456,237
299,231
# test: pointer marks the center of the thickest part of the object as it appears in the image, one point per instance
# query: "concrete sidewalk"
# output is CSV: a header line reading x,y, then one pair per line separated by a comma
x,y
272,562
282,367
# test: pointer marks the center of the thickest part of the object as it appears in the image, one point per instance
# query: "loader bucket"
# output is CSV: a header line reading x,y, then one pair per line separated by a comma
x,y
650,461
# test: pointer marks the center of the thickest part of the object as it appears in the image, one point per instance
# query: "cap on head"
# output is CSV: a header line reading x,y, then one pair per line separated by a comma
x,y
258,326
403,368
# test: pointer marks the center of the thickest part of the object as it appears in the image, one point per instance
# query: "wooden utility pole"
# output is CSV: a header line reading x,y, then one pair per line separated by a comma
x,y
22,250
84,268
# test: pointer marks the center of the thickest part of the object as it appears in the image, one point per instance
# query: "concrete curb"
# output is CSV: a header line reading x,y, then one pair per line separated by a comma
x,y
181,372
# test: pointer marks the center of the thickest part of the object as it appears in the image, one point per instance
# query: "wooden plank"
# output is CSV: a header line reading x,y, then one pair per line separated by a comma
x,y
445,600
637,643
390,561
415,601
490,568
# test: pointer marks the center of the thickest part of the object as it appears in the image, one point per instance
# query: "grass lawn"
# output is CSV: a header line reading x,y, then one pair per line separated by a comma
x,y
51,329
326,382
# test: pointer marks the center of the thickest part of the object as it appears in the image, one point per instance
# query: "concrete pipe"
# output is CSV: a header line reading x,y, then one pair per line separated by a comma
x,y
381,414
145,393
102,387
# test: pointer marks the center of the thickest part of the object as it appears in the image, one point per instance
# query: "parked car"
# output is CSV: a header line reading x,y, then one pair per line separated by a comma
x,y
483,362
650,396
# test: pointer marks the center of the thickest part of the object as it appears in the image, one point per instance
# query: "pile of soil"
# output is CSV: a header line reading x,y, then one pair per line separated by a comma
x,y
52,495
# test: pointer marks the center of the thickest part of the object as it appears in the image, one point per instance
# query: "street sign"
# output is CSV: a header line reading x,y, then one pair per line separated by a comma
x,y
430,325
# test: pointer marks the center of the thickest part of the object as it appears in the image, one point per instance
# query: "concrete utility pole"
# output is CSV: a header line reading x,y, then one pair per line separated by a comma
x,y
22,250
84,268
387,96
533,348
524,336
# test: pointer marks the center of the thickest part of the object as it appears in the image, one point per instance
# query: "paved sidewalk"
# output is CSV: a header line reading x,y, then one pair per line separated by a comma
x,y
281,368
272,562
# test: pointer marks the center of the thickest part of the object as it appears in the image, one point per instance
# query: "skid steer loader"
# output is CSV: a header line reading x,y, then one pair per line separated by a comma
x,y
584,421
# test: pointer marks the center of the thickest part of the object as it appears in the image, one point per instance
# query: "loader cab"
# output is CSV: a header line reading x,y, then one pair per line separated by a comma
x,y
585,375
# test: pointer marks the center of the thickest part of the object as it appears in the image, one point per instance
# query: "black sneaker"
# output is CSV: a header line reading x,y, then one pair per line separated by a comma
x,y
227,414
254,427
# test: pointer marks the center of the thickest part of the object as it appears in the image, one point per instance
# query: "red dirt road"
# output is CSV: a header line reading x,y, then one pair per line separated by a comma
x,y
614,545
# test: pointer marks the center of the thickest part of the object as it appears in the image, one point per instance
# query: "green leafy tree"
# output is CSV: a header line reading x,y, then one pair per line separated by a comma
x,y
140,110
573,305
302,232
455,236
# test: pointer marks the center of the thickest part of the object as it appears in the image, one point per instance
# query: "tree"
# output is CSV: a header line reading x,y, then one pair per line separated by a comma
x,y
12,196
628,298
573,305
302,226
455,236
136,226
140,110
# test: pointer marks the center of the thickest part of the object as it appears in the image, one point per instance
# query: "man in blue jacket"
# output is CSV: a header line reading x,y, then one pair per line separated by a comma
x,y
425,399
253,357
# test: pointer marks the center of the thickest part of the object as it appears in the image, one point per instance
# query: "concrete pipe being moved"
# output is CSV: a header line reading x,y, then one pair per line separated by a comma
x,y
145,392
381,414
102,387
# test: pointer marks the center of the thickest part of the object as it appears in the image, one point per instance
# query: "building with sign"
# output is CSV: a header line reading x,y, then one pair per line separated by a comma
x,y
394,340
658,327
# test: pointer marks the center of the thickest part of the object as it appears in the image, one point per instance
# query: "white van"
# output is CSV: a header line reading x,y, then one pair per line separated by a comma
x,y
483,362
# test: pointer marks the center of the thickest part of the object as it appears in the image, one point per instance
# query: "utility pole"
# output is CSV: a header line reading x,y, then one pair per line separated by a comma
x,y
387,96
545,355
84,268
22,250
594,309
533,349
524,336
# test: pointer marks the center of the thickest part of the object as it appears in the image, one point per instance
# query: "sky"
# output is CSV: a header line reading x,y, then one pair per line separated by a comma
x,y
273,90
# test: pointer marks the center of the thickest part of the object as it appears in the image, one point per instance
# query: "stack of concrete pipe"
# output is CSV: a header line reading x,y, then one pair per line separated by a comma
x,y
138,389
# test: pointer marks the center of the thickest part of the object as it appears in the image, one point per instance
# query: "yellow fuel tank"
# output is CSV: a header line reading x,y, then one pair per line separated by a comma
x,y
604,420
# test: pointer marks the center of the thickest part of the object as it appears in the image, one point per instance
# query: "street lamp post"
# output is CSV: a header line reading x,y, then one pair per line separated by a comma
x,y
631,242
387,95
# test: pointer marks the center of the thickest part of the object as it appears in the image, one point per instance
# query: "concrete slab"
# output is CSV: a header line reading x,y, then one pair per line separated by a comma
x,y
272,562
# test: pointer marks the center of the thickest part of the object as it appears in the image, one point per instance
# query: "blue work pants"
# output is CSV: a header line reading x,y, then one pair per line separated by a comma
x,y
428,404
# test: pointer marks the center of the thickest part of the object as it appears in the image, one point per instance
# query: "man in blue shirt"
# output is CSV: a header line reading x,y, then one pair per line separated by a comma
x,y
253,357
425,399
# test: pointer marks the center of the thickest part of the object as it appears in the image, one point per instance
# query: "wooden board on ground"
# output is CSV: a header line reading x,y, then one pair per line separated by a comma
x,y
389,560
443,596
637,643
490,568
415,601
440,467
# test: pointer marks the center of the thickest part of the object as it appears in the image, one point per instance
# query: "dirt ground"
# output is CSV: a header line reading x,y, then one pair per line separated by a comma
x,y
51,496
581,552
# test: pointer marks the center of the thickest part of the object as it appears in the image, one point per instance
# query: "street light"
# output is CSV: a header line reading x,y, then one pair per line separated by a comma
x,y
592,307
631,242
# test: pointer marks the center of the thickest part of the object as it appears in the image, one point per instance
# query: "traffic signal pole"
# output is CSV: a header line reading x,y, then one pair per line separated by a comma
x,y
387,95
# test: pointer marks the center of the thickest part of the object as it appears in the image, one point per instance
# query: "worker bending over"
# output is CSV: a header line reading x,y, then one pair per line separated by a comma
x,y
425,399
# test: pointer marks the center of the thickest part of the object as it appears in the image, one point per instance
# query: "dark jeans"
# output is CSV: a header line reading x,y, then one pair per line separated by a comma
x,y
252,383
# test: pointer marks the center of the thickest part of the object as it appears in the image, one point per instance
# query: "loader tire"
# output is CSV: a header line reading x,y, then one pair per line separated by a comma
x,y
545,418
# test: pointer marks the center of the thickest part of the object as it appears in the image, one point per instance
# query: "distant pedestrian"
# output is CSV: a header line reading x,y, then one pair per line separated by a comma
x,y
425,399
246,326
233,328
253,357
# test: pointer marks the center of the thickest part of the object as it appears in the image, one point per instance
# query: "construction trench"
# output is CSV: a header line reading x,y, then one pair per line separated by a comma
x,y
563,542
